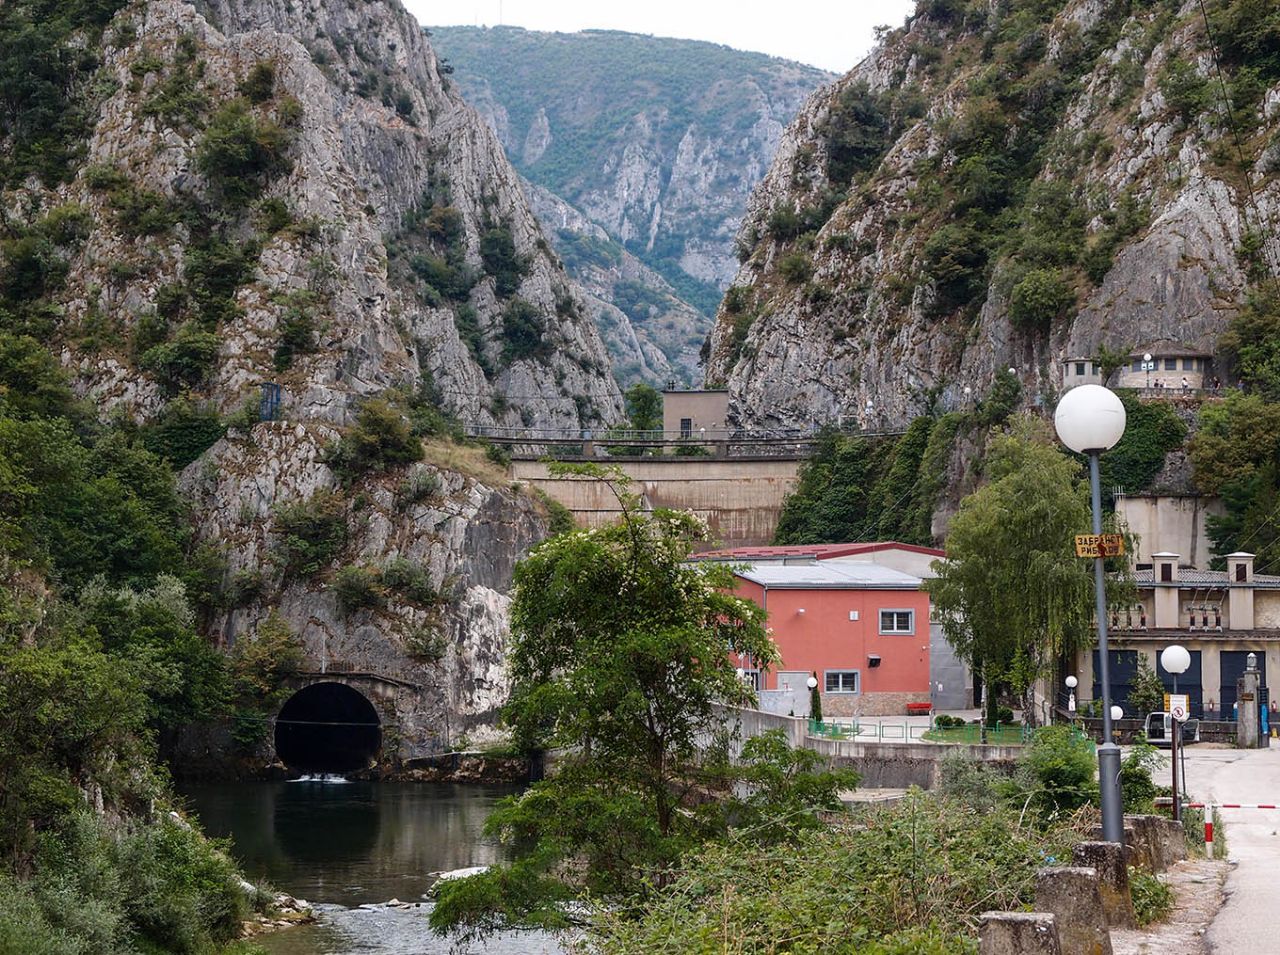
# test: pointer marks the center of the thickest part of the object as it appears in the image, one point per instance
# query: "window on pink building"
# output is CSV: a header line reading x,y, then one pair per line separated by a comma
x,y
897,621
841,681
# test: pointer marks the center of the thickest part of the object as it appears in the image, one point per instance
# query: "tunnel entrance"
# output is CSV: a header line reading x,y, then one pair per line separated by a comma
x,y
328,728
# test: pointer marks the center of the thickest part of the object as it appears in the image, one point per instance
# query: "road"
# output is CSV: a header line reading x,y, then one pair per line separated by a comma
x,y
1247,920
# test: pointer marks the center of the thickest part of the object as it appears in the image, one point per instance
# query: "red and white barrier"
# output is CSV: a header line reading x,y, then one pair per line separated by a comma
x,y
1209,807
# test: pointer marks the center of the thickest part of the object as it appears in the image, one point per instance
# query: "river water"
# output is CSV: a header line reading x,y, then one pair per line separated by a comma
x,y
349,848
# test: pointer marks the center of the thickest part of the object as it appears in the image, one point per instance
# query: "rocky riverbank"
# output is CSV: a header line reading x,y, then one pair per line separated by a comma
x,y
472,768
285,912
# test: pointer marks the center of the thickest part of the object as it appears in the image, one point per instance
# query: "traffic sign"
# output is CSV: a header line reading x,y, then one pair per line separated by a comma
x,y
1099,545
1179,704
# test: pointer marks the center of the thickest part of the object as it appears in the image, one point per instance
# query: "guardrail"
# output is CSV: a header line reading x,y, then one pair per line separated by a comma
x,y
882,731
624,436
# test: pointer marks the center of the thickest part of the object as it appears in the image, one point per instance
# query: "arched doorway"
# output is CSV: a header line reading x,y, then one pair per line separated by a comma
x,y
328,728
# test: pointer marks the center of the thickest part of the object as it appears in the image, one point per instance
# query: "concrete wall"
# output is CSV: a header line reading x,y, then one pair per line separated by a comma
x,y
1266,609
1193,369
706,409
881,765
1172,524
907,561
740,499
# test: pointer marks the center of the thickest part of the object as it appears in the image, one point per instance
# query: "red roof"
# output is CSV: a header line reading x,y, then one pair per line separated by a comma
x,y
814,551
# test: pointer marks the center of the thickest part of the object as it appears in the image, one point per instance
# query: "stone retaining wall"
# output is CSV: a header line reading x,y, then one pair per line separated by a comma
x,y
870,704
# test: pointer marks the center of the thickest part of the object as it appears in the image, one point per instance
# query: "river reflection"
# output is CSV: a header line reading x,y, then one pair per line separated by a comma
x,y
347,844
350,842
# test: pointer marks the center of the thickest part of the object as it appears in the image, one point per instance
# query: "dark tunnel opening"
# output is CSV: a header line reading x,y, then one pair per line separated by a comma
x,y
328,728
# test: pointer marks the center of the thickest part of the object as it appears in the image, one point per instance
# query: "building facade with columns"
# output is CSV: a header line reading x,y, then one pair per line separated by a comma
x,y
1219,616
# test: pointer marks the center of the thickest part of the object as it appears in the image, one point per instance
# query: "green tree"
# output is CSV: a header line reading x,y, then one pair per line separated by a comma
x,y
1233,455
1011,594
1038,299
381,439
259,665
621,650
1252,341
644,407
240,152
1146,692
815,701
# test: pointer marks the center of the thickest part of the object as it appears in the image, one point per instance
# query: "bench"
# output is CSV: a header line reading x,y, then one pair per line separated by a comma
x,y
919,709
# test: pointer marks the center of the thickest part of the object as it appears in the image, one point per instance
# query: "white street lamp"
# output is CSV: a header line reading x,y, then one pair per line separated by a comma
x,y
1117,713
811,682
1175,660
1089,420
1146,363
1071,683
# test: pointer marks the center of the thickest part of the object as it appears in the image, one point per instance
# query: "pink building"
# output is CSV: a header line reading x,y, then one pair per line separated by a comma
x,y
861,628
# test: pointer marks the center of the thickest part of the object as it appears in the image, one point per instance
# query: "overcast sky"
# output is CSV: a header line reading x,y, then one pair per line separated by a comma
x,y
832,34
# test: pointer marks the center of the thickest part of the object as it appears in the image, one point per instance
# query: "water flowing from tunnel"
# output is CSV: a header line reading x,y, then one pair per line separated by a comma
x,y
328,728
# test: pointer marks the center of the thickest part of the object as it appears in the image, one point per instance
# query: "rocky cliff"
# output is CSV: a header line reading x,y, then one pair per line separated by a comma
x,y
650,332
286,191
656,141
370,146
1005,185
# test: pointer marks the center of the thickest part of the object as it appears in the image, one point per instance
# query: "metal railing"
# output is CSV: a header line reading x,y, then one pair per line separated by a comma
x,y
884,731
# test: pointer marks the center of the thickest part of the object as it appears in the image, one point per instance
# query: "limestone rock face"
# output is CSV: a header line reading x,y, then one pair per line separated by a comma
x,y
655,141
288,192
447,648
650,332
848,304
374,136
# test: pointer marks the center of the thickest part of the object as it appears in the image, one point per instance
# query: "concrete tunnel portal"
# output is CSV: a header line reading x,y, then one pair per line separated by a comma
x,y
328,728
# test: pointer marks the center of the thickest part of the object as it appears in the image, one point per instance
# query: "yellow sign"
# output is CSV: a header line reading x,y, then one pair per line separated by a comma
x,y
1099,545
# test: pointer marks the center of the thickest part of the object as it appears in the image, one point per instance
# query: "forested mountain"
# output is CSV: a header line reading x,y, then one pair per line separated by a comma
x,y
656,141
1007,185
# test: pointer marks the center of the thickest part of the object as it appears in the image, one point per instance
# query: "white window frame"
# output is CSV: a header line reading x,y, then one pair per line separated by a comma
x,y
911,621
754,678
841,674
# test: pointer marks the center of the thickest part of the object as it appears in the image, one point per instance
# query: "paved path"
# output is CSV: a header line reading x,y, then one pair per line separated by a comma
x,y
1197,889
1246,923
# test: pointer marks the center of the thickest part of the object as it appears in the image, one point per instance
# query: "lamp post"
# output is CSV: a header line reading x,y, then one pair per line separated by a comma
x,y
1175,660
1146,363
1089,420
1071,683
